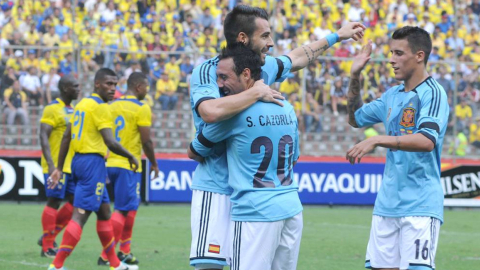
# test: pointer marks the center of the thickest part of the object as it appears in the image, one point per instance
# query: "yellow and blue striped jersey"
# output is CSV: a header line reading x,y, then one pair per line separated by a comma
x,y
91,115
128,114
57,115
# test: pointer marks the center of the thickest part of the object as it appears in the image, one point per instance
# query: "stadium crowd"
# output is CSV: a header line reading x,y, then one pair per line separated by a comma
x,y
167,39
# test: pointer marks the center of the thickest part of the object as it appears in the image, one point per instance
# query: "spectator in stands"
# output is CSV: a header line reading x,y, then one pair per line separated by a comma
x,y
31,60
109,13
134,67
31,36
51,38
166,92
16,104
186,69
289,86
50,85
447,84
7,80
464,115
294,18
355,11
30,83
475,132
427,24
206,19
68,65
475,6
312,115
338,95
445,23
61,29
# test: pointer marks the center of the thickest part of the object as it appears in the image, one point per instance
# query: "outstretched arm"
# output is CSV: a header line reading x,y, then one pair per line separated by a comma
x,y
354,100
306,54
409,143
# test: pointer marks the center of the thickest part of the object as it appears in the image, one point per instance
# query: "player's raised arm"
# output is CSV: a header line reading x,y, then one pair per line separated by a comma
x,y
64,146
306,54
354,99
117,148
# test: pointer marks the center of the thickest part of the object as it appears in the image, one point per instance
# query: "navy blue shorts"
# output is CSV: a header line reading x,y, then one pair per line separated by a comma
x,y
90,174
126,185
65,185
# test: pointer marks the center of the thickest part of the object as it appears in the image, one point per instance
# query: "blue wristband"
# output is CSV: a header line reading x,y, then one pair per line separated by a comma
x,y
332,39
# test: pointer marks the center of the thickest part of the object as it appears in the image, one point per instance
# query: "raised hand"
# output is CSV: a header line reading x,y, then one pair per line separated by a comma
x,y
353,30
361,59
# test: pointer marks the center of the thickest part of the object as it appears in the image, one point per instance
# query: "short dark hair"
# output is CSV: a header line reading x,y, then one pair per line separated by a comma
x,y
242,19
103,72
135,78
243,57
65,81
418,39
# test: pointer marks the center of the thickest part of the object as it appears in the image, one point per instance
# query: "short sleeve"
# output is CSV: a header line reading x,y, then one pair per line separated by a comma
x,y
102,117
48,116
276,69
434,111
144,117
203,143
371,113
203,83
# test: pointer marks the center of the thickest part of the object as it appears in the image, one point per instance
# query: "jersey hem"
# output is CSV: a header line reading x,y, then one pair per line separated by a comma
x,y
414,214
209,189
287,216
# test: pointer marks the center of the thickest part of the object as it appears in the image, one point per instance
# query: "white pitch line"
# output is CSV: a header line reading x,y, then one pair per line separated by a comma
x,y
44,266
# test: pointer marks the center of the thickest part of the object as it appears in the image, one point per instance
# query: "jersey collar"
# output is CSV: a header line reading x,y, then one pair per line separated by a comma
x,y
129,97
415,88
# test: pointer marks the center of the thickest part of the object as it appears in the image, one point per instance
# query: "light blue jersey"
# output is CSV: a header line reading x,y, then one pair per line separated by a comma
x,y
411,181
212,175
262,145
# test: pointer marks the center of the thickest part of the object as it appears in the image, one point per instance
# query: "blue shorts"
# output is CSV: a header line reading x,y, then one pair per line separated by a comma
x,y
126,186
65,185
90,173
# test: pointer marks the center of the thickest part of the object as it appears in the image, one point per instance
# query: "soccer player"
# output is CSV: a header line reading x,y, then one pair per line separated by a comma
x,y
53,123
90,133
409,206
132,119
262,147
210,213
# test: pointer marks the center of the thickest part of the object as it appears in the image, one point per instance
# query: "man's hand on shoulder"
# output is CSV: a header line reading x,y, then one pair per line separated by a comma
x,y
266,94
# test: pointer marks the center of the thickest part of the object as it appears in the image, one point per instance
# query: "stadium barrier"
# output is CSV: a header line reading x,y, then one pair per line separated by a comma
x,y
320,182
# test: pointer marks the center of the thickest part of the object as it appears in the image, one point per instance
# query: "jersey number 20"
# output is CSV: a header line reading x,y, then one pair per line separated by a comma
x,y
285,180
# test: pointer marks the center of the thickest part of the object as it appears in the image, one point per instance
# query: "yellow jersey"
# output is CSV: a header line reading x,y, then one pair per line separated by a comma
x,y
128,113
91,115
57,115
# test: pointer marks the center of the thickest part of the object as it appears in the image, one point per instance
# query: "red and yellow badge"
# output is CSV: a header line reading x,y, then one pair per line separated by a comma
x,y
408,117
214,248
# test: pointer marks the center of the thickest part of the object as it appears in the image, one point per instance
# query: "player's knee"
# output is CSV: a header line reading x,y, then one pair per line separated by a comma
x,y
54,202
80,216
69,198
104,213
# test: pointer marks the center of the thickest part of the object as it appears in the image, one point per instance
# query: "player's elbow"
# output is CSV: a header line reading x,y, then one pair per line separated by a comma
x,y
209,116
353,123
429,146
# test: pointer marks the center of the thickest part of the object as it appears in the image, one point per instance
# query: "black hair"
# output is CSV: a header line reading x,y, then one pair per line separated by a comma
x,y
135,78
418,40
65,81
243,57
242,19
103,72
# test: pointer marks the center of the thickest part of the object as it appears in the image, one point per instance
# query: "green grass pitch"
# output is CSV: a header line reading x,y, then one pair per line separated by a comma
x,y
333,238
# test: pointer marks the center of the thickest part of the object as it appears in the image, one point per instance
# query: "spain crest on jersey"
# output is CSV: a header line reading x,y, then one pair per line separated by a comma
x,y
408,117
